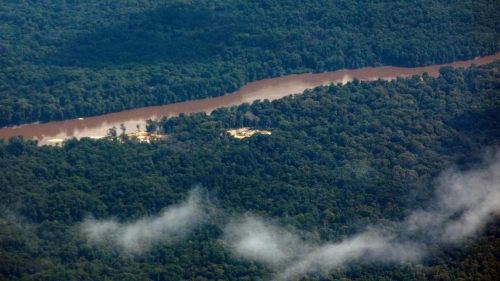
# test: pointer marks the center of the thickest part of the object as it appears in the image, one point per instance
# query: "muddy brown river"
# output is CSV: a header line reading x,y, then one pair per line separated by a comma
x,y
55,132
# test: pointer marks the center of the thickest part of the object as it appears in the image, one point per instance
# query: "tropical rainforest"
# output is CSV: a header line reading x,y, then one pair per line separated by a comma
x,y
340,160
63,59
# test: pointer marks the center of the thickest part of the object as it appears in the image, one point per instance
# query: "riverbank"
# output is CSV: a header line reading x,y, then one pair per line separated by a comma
x,y
270,89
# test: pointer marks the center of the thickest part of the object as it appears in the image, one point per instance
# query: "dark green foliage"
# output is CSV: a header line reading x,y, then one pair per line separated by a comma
x,y
339,158
66,59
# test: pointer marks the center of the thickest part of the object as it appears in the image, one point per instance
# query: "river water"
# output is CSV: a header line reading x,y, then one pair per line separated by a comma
x,y
54,132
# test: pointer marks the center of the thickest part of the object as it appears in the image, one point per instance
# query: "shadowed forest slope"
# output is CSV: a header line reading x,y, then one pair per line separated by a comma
x,y
66,59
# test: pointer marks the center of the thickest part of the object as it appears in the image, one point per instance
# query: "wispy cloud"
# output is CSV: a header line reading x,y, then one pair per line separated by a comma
x,y
138,235
368,246
252,238
465,201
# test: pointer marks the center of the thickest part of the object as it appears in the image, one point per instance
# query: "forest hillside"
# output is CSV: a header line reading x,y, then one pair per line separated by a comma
x,y
372,180
66,59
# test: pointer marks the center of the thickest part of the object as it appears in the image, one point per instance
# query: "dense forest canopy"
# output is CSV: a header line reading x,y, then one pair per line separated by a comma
x,y
340,159
66,59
